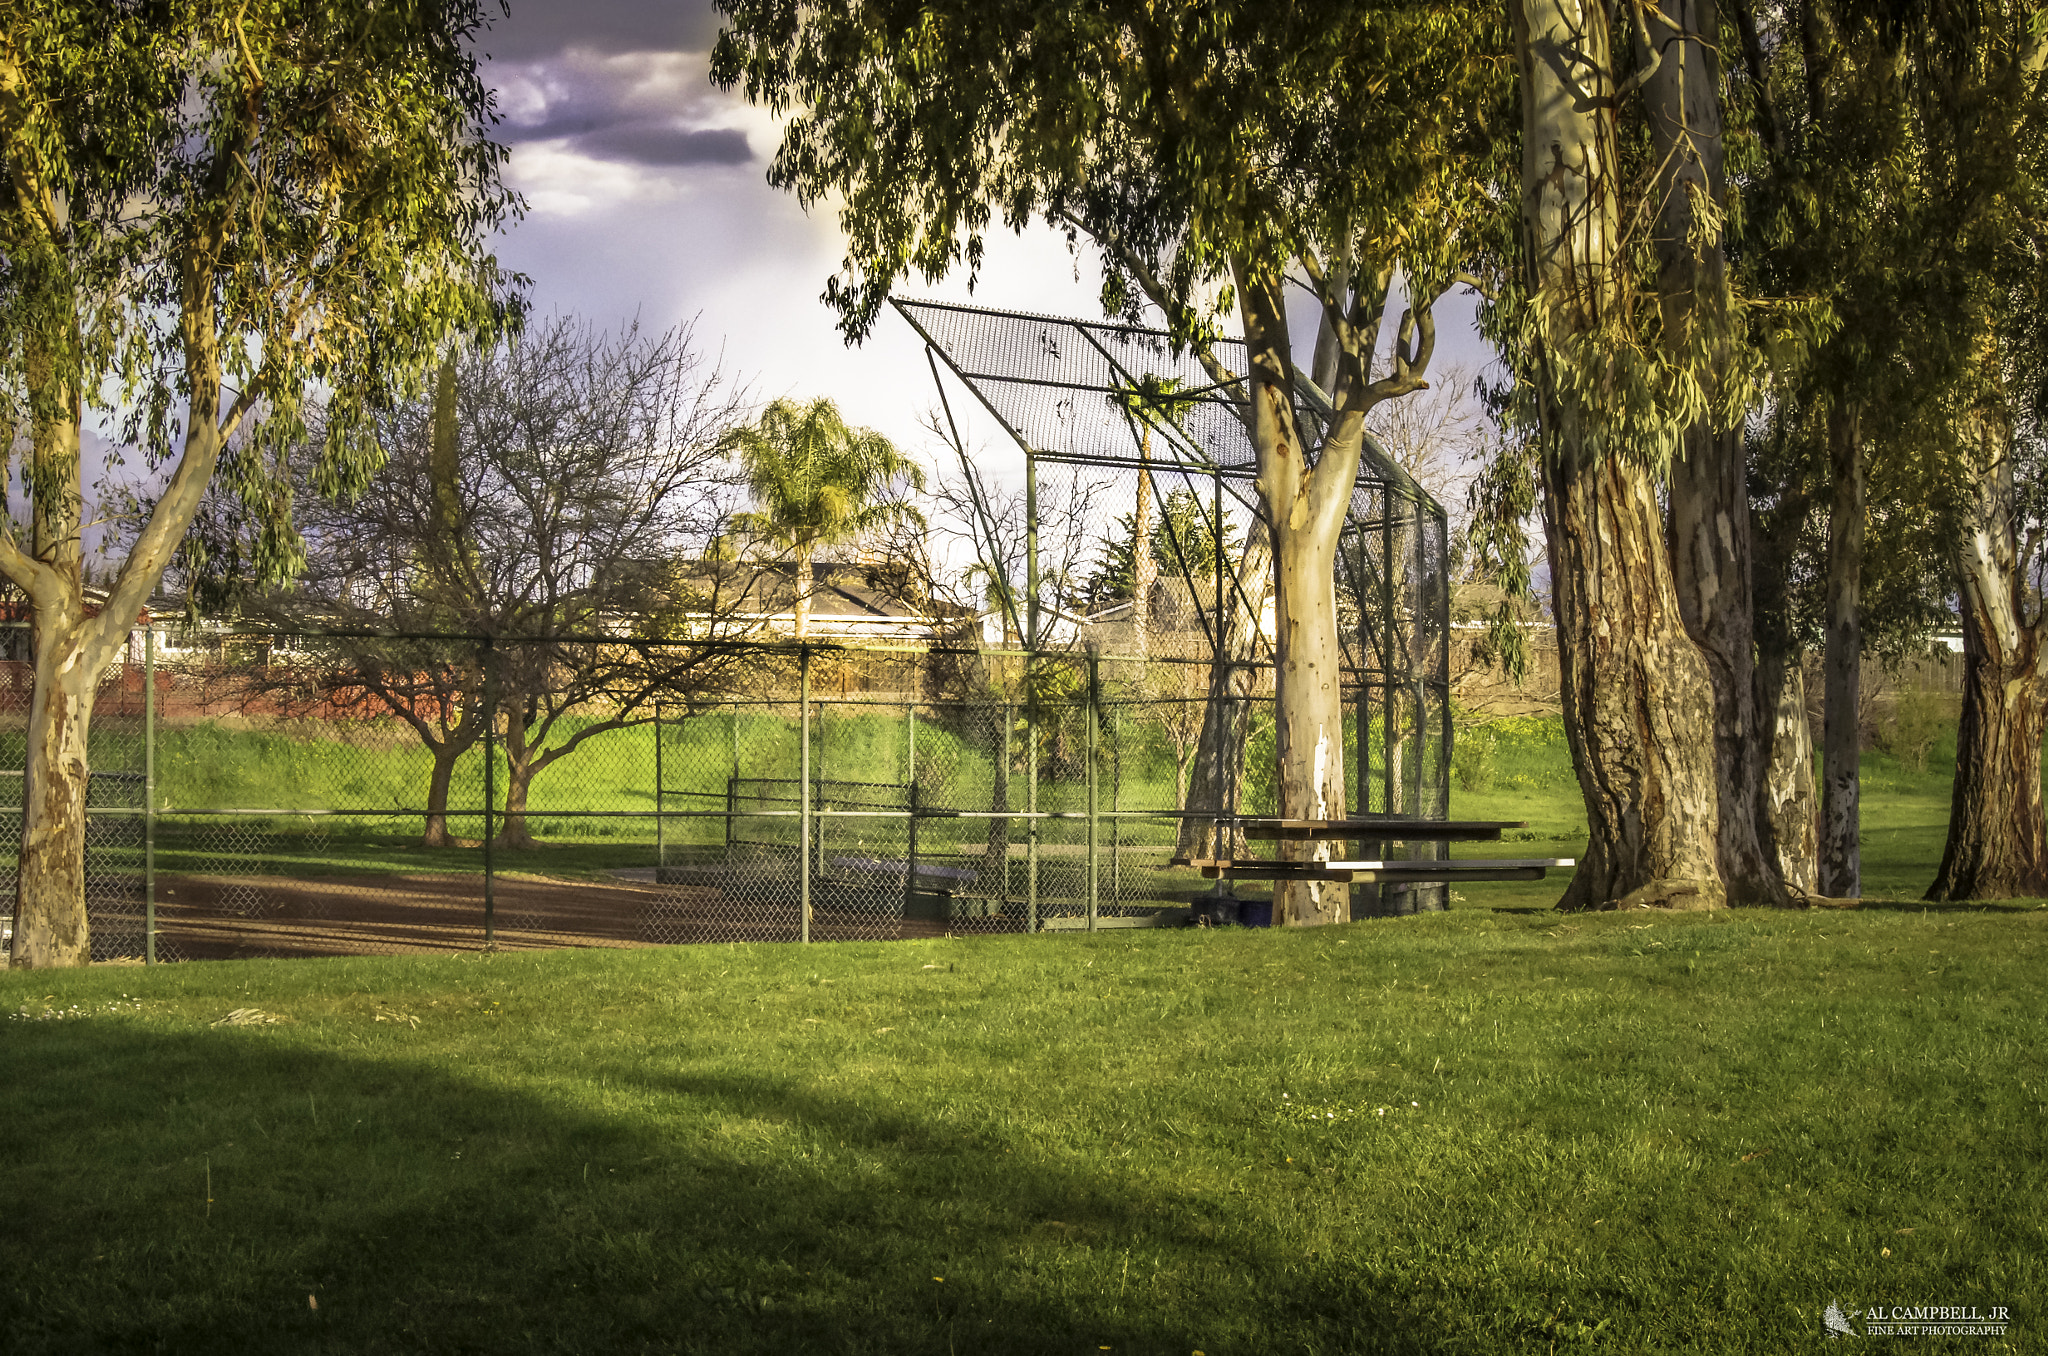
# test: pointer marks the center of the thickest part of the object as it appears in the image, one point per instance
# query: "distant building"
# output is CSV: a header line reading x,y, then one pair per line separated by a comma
x,y
849,605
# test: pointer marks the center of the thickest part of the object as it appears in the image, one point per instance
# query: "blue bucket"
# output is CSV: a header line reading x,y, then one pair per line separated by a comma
x,y
1255,913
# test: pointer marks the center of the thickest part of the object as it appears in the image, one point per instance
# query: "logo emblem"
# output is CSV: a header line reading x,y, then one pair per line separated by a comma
x,y
1837,1322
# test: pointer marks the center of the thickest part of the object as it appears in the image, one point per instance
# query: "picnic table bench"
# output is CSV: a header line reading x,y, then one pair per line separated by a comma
x,y
1385,828
1376,828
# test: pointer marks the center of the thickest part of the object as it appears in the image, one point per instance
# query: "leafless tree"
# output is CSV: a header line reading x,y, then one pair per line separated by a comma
x,y
554,499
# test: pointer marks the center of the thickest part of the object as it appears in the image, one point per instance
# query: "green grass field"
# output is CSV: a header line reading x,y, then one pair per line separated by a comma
x,y
1494,1130
1476,1132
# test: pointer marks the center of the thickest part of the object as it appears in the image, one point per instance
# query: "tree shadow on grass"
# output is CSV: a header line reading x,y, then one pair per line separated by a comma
x,y
228,1191
1910,905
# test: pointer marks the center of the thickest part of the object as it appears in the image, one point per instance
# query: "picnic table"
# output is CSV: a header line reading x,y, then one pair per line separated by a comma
x,y
1382,829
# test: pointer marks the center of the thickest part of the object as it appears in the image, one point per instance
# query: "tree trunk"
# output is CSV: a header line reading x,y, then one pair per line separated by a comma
x,y
50,923
1785,803
445,754
50,926
1709,527
1638,705
1309,714
518,779
1997,843
1637,698
1840,853
1305,509
1997,840
1218,772
1708,495
803,593
1144,569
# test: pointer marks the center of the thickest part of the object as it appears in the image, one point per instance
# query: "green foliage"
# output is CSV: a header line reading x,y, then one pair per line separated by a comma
x,y
1895,174
1917,719
1020,1145
236,202
818,481
1182,136
1473,764
1183,543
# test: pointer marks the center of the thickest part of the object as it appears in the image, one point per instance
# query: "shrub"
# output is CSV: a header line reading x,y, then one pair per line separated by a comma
x,y
1915,723
1472,759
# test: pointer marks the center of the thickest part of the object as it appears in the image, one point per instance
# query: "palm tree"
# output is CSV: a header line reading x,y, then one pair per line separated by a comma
x,y
818,482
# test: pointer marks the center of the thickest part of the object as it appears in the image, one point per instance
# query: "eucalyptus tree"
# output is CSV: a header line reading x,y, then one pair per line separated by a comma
x,y
1614,375
1219,154
1678,65
1830,210
1986,81
207,209
1900,181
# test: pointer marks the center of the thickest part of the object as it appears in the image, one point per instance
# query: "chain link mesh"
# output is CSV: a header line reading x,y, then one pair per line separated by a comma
x,y
294,814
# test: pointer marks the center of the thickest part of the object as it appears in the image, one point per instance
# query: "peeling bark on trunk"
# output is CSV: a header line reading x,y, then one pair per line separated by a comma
x,y
1997,843
50,927
1305,508
1309,713
1840,852
1785,806
1637,698
1787,802
1710,550
1997,839
1708,493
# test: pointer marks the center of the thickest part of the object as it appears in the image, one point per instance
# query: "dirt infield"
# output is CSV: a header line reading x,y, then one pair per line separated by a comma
x,y
218,917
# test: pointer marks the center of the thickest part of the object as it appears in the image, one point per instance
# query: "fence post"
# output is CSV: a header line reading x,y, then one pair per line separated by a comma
x,y
1003,796
660,822
803,852
910,871
1030,687
732,786
910,781
1030,798
490,714
1090,712
1116,805
1030,556
149,793
1371,896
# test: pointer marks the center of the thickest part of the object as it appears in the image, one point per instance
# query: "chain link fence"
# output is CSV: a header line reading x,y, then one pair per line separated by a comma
x,y
323,796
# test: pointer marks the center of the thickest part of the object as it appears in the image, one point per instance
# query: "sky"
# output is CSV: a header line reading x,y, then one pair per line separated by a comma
x,y
647,197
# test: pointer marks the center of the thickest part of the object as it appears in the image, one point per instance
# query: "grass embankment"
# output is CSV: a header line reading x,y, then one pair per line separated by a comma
x,y
1518,769
1467,1133
1526,774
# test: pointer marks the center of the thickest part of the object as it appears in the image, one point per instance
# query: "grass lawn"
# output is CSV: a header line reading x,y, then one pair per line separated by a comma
x,y
1494,1130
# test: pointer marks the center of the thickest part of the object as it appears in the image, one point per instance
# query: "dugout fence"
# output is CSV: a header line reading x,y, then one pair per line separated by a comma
x,y
284,795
